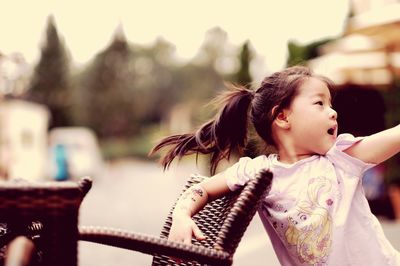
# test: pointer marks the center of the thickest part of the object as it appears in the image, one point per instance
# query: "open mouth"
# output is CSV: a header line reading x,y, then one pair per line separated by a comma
x,y
331,131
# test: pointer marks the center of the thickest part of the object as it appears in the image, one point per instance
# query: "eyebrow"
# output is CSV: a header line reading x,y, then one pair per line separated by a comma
x,y
323,95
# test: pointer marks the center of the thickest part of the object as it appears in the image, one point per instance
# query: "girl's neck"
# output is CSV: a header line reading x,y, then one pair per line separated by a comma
x,y
288,152
290,158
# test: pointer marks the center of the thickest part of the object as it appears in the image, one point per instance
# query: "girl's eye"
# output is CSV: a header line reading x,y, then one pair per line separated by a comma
x,y
319,103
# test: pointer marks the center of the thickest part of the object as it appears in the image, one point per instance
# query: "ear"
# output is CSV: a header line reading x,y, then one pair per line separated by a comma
x,y
281,119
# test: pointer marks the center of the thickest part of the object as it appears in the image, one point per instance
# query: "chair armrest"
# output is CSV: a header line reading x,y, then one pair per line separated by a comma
x,y
153,245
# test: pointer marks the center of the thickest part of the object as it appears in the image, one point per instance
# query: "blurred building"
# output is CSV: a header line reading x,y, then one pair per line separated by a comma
x,y
365,60
368,53
23,140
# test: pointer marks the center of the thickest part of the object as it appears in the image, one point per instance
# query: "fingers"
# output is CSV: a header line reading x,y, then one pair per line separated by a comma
x,y
185,238
197,233
184,231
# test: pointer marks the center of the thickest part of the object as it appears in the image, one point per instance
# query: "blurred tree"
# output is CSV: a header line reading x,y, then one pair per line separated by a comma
x,y
199,80
242,76
106,91
299,54
50,81
126,87
212,47
156,81
200,76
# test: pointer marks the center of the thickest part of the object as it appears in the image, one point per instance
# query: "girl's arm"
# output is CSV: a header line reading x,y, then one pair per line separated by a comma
x,y
191,201
377,147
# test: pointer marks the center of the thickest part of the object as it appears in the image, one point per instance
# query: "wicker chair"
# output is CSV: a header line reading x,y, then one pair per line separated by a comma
x,y
44,213
223,221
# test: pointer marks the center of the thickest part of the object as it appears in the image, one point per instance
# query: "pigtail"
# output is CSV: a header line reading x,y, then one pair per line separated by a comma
x,y
225,134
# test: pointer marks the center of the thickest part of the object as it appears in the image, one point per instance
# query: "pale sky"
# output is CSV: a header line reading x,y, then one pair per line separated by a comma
x,y
87,25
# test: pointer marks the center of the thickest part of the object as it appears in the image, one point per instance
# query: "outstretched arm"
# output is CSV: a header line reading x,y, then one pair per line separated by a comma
x,y
378,147
191,201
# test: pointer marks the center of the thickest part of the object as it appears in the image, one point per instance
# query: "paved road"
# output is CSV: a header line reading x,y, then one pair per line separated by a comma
x,y
137,196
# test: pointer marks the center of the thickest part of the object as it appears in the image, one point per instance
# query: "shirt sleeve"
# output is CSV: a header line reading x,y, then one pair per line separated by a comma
x,y
347,163
246,168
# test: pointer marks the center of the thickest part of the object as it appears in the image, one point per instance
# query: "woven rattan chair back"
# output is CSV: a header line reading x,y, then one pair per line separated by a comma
x,y
51,206
223,220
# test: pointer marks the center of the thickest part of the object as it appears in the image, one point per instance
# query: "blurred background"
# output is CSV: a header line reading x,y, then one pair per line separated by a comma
x,y
88,87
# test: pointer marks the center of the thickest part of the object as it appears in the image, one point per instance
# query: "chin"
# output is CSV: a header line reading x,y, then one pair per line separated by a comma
x,y
328,148
324,150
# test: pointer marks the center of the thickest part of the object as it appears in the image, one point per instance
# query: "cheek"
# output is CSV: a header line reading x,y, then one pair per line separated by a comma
x,y
308,120
307,131
304,123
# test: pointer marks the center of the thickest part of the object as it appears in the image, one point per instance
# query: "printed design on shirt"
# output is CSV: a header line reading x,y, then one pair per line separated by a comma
x,y
309,228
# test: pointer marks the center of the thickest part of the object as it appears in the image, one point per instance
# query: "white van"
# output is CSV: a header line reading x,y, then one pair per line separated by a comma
x,y
74,152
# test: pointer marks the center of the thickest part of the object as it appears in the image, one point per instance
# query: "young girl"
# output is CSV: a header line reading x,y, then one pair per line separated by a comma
x,y
316,212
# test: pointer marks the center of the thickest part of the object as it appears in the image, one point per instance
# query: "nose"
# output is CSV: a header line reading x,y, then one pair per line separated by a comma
x,y
333,114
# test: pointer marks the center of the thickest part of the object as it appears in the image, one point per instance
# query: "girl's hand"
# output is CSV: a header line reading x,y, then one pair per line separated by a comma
x,y
183,228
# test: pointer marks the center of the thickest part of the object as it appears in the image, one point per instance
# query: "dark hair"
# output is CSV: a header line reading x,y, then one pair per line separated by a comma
x,y
227,132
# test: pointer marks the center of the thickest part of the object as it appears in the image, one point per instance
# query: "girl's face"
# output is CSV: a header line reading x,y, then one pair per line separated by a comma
x,y
312,121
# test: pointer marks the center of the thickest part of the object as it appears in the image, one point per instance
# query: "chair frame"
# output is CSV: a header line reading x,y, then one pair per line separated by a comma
x,y
53,207
223,221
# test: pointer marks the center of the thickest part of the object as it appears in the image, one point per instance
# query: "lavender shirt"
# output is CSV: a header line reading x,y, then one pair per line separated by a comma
x,y
316,212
